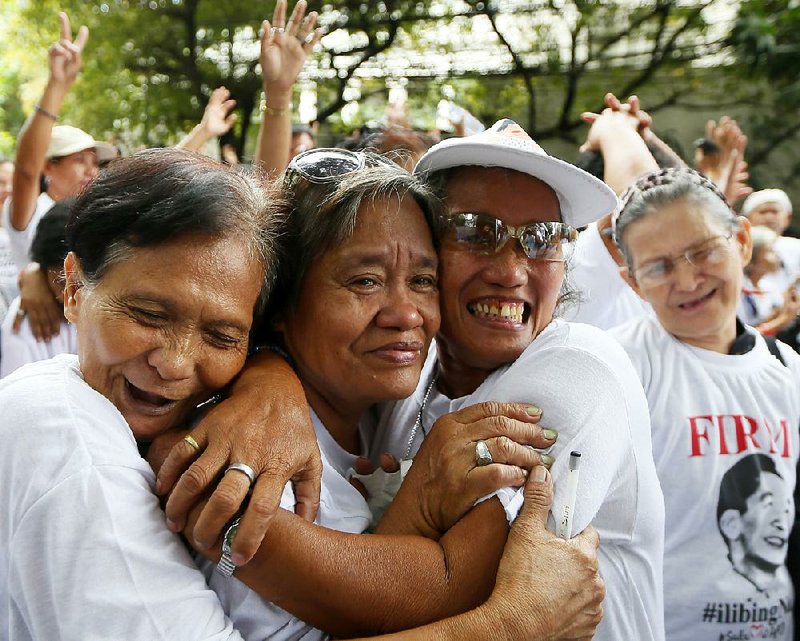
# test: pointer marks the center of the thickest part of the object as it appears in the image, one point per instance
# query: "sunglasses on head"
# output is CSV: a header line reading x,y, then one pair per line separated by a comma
x,y
485,234
324,165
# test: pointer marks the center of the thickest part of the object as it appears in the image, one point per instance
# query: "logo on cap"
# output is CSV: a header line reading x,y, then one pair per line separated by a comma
x,y
508,133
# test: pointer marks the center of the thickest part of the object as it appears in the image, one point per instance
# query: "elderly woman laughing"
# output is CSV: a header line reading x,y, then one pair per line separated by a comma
x,y
169,253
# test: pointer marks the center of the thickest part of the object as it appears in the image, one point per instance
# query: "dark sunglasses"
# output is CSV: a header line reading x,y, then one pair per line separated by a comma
x,y
487,235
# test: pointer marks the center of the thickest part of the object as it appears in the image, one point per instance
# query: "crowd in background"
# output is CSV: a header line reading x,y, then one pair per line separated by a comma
x,y
687,278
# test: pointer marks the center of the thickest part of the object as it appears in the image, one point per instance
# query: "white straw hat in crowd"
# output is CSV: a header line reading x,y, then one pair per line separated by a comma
x,y
758,198
582,197
66,140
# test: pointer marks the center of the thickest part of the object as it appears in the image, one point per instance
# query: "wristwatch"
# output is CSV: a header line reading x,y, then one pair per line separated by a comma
x,y
225,566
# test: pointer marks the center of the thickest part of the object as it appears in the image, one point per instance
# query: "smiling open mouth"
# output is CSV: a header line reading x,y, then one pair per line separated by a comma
x,y
148,398
499,310
698,301
775,541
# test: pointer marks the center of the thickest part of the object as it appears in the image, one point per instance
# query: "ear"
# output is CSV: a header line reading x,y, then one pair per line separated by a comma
x,y
730,524
48,167
73,278
745,239
628,278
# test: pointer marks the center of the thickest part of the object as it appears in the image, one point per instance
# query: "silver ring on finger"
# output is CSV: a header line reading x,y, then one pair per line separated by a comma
x,y
244,469
482,454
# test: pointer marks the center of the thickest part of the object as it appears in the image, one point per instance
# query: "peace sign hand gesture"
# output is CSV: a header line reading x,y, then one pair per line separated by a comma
x,y
65,55
284,48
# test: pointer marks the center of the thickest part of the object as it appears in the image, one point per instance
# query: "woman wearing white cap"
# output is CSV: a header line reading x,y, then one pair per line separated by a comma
x,y
65,156
772,208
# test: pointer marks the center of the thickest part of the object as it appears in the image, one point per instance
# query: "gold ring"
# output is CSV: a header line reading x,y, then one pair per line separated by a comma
x,y
190,440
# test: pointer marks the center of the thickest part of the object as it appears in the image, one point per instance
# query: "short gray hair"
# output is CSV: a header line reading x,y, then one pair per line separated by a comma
x,y
661,188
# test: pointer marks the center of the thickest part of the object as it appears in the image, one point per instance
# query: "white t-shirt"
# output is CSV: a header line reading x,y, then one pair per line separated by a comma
x,y
708,411
588,391
776,283
607,300
20,241
8,274
757,304
341,507
788,250
18,349
84,550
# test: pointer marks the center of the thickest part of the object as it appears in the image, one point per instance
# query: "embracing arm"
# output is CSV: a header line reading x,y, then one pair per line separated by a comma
x,y
364,583
368,583
372,583
266,425
515,609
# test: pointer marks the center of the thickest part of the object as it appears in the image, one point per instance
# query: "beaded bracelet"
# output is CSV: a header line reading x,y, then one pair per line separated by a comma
x,y
46,113
271,111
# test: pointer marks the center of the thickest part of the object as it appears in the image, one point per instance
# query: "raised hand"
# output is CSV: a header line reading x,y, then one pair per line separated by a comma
x,y
726,165
615,115
218,118
285,46
65,55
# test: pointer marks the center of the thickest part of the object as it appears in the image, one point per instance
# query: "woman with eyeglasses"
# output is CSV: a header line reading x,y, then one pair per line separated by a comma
x,y
724,406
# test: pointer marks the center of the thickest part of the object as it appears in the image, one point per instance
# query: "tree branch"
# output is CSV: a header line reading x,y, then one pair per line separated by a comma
x,y
519,64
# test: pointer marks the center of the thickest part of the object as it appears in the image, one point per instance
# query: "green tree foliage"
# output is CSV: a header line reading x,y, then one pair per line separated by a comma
x,y
765,39
151,64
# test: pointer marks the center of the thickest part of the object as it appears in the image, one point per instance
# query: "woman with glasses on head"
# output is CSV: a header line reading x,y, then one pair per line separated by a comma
x,y
722,401
355,309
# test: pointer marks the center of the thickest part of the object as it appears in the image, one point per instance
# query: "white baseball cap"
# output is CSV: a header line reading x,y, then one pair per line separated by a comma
x,y
583,198
758,198
66,140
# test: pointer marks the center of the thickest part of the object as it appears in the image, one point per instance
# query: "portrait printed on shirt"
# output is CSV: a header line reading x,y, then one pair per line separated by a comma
x,y
753,514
